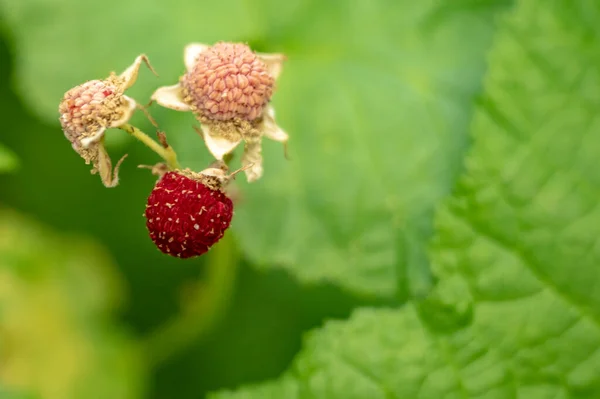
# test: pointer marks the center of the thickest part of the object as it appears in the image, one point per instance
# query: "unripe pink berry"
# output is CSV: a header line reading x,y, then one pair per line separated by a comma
x,y
228,87
228,82
88,108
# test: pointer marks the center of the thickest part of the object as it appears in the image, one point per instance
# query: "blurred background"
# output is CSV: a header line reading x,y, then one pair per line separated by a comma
x,y
376,97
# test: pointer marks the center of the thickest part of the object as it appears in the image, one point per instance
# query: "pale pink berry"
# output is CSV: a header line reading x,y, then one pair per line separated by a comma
x,y
228,81
89,108
228,87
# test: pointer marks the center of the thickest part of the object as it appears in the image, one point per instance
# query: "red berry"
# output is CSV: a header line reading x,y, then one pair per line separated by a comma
x,y
187,213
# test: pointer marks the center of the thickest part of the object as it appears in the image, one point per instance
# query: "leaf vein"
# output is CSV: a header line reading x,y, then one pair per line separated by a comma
x,y
532,265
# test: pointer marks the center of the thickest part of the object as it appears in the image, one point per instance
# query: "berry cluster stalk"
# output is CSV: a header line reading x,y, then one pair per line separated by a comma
x,y
165,152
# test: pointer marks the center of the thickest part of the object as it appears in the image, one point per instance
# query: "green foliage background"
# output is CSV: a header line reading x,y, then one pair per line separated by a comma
x,y
434,234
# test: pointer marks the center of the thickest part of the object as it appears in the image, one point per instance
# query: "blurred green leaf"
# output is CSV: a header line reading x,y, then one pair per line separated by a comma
x,y
8,160
377,138
286,387
518,239
376,96
9,394
57,339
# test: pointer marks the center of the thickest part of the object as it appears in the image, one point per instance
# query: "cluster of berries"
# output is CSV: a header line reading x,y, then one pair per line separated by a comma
x,y
228,88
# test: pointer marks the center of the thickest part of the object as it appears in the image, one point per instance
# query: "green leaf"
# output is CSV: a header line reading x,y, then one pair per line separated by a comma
x,y
376,96
58,340
387,353
521,230
518,239
8,160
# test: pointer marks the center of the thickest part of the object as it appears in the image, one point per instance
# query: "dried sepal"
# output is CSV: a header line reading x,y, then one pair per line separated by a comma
x,y
129,75
170,97
129,107
89,141
159,169
218,145
252,160
271,129
108,174
274,63
191,53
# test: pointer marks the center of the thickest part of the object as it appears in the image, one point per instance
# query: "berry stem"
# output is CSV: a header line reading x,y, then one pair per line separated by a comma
x,y
166,153
202,311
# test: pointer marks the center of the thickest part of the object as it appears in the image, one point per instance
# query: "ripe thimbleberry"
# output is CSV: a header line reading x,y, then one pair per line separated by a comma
x,y
188,212
228,87
87,110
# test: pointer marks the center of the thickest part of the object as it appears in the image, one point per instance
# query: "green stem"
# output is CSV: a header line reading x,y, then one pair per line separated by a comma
x,y
168,154
204,309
